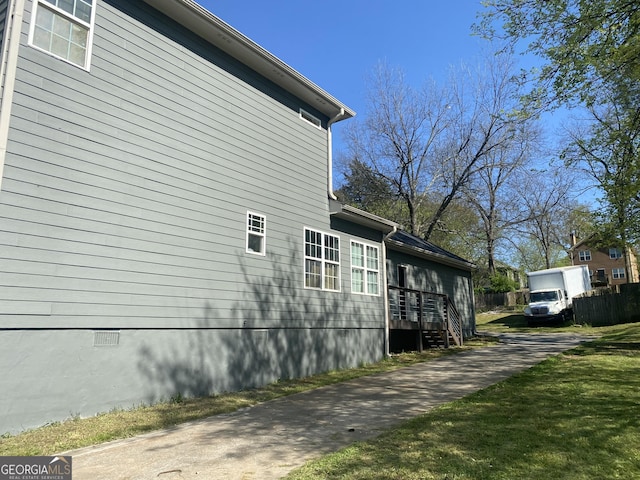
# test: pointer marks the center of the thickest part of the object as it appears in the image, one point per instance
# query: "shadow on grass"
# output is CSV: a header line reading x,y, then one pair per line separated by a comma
x,y
568,418
514,320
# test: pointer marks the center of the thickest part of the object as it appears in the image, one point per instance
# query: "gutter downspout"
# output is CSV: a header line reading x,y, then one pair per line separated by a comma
x,y
385,289
330,154
9,59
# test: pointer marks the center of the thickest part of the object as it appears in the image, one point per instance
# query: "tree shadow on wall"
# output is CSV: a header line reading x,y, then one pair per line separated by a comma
x,y
274,329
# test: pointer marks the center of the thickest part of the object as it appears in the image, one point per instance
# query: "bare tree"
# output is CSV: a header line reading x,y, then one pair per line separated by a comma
x,y
429,143
547,197
493,192
398,139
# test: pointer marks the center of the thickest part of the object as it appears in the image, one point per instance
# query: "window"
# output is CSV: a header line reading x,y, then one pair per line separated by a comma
x,y
365,265
618,272
615,253
321,260
256,230
584,255
64,28
313,120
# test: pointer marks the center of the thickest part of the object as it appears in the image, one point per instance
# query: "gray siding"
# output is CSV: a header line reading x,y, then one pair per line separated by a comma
x,y
435,277
123,207
4,18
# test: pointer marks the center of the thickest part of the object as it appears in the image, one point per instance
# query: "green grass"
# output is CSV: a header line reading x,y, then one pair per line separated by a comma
x,y
572,417
81,432
515,322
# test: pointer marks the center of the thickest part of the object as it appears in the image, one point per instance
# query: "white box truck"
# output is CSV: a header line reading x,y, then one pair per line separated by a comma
x,y
551,293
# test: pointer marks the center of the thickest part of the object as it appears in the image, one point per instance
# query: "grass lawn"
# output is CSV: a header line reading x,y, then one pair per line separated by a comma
x,y
575,416
515,322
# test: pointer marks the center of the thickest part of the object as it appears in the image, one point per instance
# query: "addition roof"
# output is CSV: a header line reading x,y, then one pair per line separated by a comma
x,y
205,24
405,242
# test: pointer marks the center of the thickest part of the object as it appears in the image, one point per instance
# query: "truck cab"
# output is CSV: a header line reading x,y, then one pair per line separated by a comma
x,y
547,306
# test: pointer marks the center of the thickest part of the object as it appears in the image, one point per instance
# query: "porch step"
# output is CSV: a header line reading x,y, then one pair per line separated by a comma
x,y
435,339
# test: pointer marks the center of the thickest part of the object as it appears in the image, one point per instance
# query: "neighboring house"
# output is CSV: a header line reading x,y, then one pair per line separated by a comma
x,y
167,221
512,273
607,266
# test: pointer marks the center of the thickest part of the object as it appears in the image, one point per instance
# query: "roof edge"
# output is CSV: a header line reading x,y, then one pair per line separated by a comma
x,y
443,259
347,212
205,24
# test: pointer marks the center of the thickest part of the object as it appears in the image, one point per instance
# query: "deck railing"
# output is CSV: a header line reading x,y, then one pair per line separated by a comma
x,y
426,312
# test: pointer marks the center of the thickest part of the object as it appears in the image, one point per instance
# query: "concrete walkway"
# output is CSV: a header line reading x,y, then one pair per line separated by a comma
x,y
269,440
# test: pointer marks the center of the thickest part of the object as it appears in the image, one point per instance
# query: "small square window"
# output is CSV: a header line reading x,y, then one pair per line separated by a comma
x,y
256,233
618,273
584,255
615,253
312,119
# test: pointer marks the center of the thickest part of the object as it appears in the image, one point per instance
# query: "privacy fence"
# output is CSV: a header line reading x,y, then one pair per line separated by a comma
x,y
609,307
489,301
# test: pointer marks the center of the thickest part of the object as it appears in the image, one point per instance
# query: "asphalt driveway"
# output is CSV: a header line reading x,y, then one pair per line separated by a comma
x,y
267,441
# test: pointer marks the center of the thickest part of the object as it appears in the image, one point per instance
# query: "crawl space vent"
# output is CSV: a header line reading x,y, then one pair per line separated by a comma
x,y
106,338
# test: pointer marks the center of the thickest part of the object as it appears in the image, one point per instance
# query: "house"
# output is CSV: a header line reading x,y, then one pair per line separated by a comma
x,y
607,265
167,219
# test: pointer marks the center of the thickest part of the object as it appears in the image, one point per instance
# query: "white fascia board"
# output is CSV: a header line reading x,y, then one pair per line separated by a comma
x,y
419,252
203,23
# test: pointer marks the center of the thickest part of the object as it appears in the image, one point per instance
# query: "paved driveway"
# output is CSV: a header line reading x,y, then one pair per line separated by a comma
x,y
267,441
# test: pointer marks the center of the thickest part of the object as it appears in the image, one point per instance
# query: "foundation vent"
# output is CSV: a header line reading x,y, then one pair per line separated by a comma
x,y
107,338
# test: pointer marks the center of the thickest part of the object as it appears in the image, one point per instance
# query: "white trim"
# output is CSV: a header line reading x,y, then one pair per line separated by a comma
x,y
365,269
322,259
89,26
262,234
618,273
584,255
11,41
310,118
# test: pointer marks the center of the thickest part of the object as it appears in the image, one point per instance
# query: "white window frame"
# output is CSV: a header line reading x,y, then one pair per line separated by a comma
x,y
618,273
256,225
615,253
89,26
365,269
321,257
310,118
584,255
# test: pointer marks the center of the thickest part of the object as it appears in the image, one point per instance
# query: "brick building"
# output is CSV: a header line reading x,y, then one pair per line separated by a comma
x,y
607,265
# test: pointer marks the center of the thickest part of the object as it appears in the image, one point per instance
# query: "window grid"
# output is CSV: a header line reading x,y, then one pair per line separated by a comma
x,y
63,28
584,255
256,233
618,273
615,253
365,265
322,260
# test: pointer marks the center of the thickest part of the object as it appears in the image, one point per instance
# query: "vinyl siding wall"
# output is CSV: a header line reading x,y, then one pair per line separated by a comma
x,y
123,208
435,277
4,6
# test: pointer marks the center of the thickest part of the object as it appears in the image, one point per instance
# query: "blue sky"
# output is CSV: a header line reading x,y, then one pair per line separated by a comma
x,y
337,43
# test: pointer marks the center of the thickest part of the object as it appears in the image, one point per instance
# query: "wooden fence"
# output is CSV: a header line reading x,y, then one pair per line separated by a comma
x,y
490,301
607,307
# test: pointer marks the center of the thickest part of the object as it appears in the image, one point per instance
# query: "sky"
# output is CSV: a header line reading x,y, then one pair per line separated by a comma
x,y
337,43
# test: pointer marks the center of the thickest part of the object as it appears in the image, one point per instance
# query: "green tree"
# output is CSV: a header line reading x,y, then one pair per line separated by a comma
x,y
364,189
584,45
609,148
590,51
